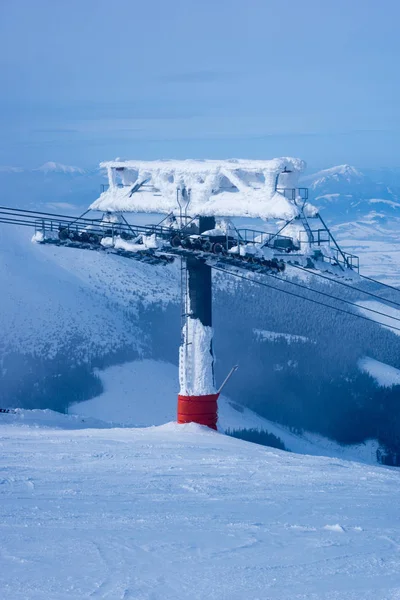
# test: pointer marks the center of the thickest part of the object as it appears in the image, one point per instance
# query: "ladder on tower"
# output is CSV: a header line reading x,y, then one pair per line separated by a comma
x,y
307,228
185,364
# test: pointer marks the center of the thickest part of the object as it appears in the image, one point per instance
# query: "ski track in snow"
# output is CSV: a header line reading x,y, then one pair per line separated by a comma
x,y
176,512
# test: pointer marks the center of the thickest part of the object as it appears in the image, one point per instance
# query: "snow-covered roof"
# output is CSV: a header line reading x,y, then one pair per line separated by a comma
x,y
231,188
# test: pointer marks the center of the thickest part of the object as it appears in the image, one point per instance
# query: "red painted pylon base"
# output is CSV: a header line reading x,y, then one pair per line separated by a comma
x,y
198,409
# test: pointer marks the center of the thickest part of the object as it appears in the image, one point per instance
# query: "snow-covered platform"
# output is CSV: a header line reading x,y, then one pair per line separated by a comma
x,y
221,188
180,512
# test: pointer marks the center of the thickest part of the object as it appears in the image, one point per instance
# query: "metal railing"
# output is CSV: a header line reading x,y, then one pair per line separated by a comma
x,y
290,193
254,236
105,186
343,259
319,237
65,229
322,237
293,193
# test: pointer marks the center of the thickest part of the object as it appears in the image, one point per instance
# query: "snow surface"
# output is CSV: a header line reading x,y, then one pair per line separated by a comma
x,y
387,202
233,188
385,375
181,512
273,336
386,321
377,244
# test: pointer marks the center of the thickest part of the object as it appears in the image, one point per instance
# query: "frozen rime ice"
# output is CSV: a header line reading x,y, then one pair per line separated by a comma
x,y
231,188
196,375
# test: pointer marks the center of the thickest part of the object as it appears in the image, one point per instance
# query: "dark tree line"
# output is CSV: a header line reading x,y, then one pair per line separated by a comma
x,y
257,437
314,385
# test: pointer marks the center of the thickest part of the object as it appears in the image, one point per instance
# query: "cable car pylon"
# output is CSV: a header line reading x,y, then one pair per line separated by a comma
x,y
218,188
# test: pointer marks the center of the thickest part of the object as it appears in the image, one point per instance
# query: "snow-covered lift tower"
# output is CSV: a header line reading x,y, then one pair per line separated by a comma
x,y
201,189
218,188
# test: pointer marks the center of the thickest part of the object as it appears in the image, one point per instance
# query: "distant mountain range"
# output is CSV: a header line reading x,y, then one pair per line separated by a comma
x,y
50,186
53,167
343,193
48,167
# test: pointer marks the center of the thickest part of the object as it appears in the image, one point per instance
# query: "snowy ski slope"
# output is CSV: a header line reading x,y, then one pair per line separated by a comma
x,y
180,512
144,393
53,296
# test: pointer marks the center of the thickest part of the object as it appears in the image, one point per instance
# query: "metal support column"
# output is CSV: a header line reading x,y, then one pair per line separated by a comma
x,y
197,400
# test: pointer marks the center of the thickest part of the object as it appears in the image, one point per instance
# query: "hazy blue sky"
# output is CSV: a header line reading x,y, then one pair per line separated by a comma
x,y
86,80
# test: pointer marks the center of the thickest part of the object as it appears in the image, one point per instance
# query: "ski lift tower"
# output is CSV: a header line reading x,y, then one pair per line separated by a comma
x,y
192,193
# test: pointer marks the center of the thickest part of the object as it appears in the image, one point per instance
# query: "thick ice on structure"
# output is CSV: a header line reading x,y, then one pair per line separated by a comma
x,y
196,374
141,244
231,188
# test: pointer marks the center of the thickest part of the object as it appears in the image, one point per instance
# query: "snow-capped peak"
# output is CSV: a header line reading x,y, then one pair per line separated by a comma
x,y
53,167
342,173
342,170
